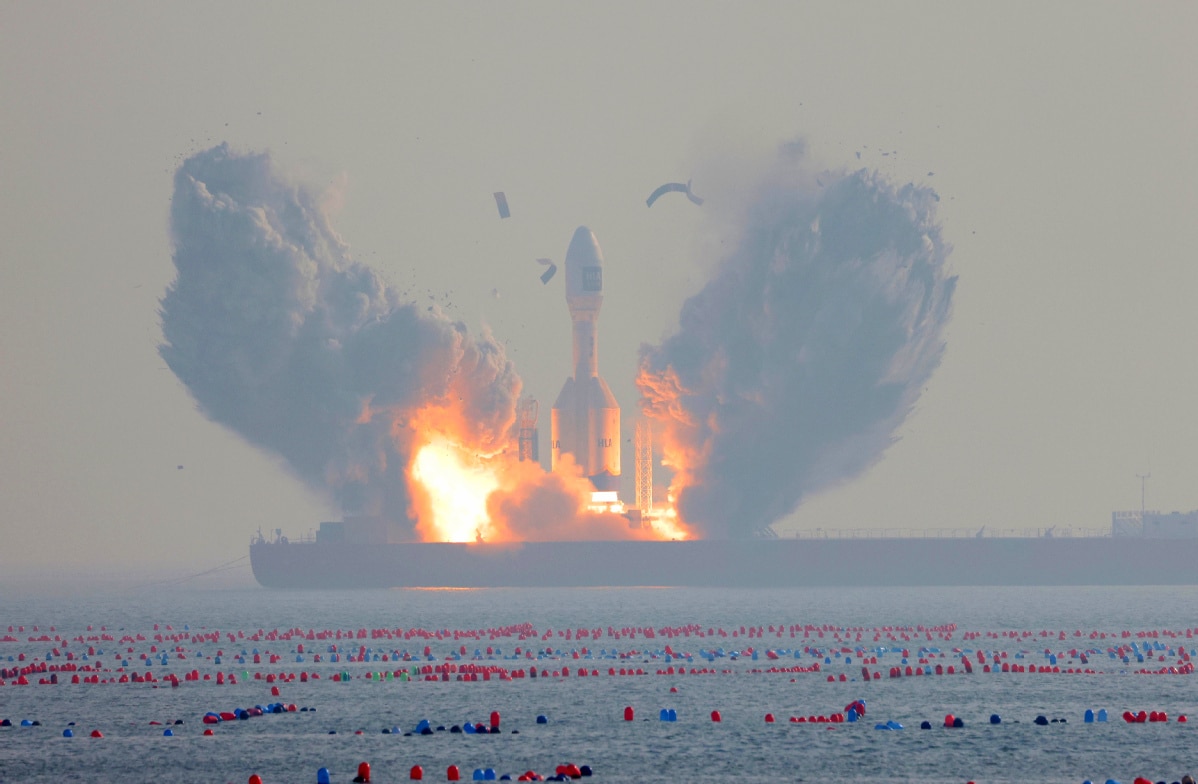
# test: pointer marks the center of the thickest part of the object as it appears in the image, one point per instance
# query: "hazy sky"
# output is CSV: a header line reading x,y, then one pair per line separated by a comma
x,y
1062,138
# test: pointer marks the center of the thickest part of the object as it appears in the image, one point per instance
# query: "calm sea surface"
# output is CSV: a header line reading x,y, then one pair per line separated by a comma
x,y
585,715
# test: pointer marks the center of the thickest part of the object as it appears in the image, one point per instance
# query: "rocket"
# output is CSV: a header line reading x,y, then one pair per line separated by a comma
x,y
585,421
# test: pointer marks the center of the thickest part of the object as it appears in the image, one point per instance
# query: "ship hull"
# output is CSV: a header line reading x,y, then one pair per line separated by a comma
x,y
750,563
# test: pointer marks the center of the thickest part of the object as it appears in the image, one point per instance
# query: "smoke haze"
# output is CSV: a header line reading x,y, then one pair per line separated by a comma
x,y
793,367
279,335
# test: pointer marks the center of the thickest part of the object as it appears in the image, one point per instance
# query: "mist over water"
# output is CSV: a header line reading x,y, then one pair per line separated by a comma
x,y
793,367
282,337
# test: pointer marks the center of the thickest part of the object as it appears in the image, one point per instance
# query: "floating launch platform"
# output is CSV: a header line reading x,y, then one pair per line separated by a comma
x,y
756,563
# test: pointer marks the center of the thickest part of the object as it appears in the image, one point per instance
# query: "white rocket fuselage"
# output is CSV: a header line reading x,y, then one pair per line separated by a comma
x,y
585,421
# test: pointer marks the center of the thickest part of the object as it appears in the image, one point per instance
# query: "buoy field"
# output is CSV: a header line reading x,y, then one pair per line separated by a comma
x,y
617,685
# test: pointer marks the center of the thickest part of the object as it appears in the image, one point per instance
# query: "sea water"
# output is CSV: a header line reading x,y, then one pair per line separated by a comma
x,y
584,715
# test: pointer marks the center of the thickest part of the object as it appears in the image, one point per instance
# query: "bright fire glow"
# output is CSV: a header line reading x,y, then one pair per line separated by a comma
x,y
669,527
606,501
457,484
461,492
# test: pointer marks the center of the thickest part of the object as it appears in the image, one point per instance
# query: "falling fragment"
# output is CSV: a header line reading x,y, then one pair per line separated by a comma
x,y
676,187
548,274
501,203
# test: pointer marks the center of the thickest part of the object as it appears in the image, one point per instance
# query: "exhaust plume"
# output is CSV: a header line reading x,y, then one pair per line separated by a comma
x,y
280,336
791,370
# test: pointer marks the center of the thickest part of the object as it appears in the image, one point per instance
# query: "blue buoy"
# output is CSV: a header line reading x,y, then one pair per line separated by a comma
x,y
67,733
1102,714
995,718
478,774
851,716
894,725
925,725
958,722
1089,716
663,715
469,728
1041,721
542,719
323,777
489,774
168,733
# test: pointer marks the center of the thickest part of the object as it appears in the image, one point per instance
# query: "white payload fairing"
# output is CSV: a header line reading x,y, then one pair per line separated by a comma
x,y
585,421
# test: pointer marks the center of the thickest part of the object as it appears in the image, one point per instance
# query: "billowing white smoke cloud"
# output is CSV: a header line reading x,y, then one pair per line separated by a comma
x,y
282,337
793,367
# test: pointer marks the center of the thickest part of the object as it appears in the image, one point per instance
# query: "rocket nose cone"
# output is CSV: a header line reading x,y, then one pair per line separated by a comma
x,y
584,248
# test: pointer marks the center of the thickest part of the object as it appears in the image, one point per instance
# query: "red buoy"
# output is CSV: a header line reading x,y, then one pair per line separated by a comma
x,y
948,720
628,713
452,773
97,734
255,779
417,773
769,718
715,716
494,719
363,773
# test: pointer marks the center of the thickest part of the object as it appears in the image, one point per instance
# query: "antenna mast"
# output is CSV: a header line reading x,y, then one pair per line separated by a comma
x,y
1143,481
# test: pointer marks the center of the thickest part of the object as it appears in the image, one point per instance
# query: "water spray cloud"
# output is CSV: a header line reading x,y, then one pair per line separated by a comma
x,y
794,366
282,337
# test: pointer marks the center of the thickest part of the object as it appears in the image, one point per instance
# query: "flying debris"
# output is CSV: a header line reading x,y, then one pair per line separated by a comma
x,y
548,274
501,203
677,187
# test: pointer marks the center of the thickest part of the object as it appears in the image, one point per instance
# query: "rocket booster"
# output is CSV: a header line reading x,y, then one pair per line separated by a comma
x,y
585,420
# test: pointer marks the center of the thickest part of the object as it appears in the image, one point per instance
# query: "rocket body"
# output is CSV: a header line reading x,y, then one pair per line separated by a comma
x,y
585,421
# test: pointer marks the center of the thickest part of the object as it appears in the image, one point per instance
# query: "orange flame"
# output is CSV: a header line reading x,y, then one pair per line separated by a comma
x,y
461,494
674,429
